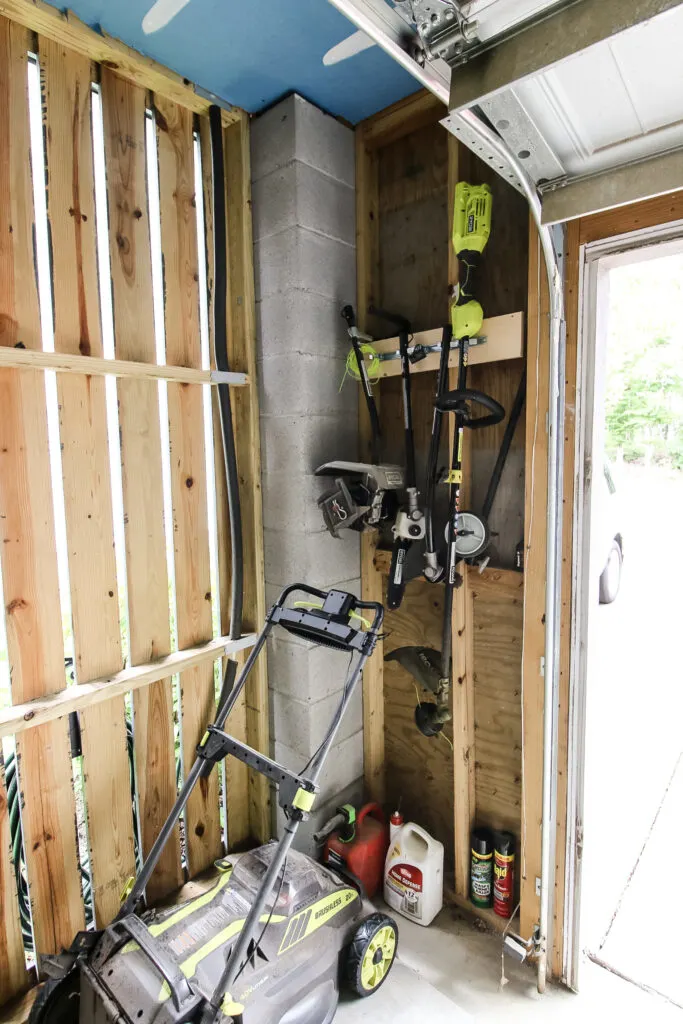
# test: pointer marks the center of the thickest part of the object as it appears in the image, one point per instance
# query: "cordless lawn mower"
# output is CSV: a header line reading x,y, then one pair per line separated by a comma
x,y
273,938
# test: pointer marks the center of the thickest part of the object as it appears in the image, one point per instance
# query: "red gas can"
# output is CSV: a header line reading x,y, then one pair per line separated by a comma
x,y
364,854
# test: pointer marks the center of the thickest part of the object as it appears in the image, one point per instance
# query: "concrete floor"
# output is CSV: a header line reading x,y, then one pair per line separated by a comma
x,y
450,973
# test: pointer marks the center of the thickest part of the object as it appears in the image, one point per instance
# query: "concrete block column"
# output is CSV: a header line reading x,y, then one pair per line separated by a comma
x,y
303,202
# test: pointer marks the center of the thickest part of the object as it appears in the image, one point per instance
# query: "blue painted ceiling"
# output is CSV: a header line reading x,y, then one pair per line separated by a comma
x,y
254,51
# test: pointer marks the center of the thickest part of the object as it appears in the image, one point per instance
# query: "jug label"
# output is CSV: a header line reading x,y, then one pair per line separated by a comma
x,y
406,881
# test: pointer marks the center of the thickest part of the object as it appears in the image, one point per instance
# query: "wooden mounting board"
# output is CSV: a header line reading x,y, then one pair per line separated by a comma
x,y
504,340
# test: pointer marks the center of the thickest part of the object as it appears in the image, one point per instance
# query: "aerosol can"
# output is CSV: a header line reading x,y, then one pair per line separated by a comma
x,y
413,874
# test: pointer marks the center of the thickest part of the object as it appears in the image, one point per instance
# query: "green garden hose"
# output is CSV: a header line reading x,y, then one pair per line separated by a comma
x,y
17,844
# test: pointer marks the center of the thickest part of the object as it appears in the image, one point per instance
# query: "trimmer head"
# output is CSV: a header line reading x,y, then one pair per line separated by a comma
x,y
423,663
428,719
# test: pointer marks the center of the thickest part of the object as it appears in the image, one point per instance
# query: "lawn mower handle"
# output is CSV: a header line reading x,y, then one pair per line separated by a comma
x,y
304,588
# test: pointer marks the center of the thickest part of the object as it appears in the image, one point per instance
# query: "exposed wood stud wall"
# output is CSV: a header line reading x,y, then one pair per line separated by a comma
x,y
367,255
419,770
236,773
188,461
502,610
534,575
242,357
462,682
40,696
20,718
569,483
124,113
409,263
28,551
85,465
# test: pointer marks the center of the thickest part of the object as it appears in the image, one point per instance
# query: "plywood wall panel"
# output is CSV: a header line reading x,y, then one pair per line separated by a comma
x,y
419,771
413,227
497,636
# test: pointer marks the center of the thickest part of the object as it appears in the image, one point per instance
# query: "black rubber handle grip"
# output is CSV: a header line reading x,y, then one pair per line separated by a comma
x,y
349,315
458,402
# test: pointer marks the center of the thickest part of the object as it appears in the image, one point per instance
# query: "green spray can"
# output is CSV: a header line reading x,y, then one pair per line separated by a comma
x,y
481,868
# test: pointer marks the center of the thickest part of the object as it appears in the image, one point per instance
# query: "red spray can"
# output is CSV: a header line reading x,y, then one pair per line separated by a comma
x,y
504,874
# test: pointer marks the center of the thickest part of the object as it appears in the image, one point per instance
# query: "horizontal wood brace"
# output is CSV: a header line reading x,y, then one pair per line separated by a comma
x,y
35,712
61,362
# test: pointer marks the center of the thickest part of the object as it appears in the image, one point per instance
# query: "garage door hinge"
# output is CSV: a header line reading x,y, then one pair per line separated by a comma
x,y
542,666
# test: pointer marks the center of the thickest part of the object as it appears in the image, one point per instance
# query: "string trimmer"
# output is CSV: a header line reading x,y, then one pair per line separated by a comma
x,y
432,669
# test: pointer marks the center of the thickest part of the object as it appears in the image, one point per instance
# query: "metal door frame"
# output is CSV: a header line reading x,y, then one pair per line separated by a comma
x,y
596,260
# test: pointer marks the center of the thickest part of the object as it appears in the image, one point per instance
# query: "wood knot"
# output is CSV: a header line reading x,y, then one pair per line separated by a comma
x,y
16,605
162,123
189,483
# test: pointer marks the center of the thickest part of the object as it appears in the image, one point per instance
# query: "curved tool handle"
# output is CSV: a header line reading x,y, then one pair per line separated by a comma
x,y
457,402
396,319
397,575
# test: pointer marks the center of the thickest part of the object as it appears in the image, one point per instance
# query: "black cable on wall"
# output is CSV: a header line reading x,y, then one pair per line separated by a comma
x,y
220,335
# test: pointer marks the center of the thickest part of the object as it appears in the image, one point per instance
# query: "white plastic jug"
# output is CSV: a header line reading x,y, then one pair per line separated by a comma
x,y
413,874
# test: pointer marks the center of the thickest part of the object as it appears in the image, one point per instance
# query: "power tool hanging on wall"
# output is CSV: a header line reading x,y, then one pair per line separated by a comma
x,y
367,495
466,534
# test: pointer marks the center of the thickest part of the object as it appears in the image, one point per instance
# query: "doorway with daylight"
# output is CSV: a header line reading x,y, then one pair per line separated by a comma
x,y
626,768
